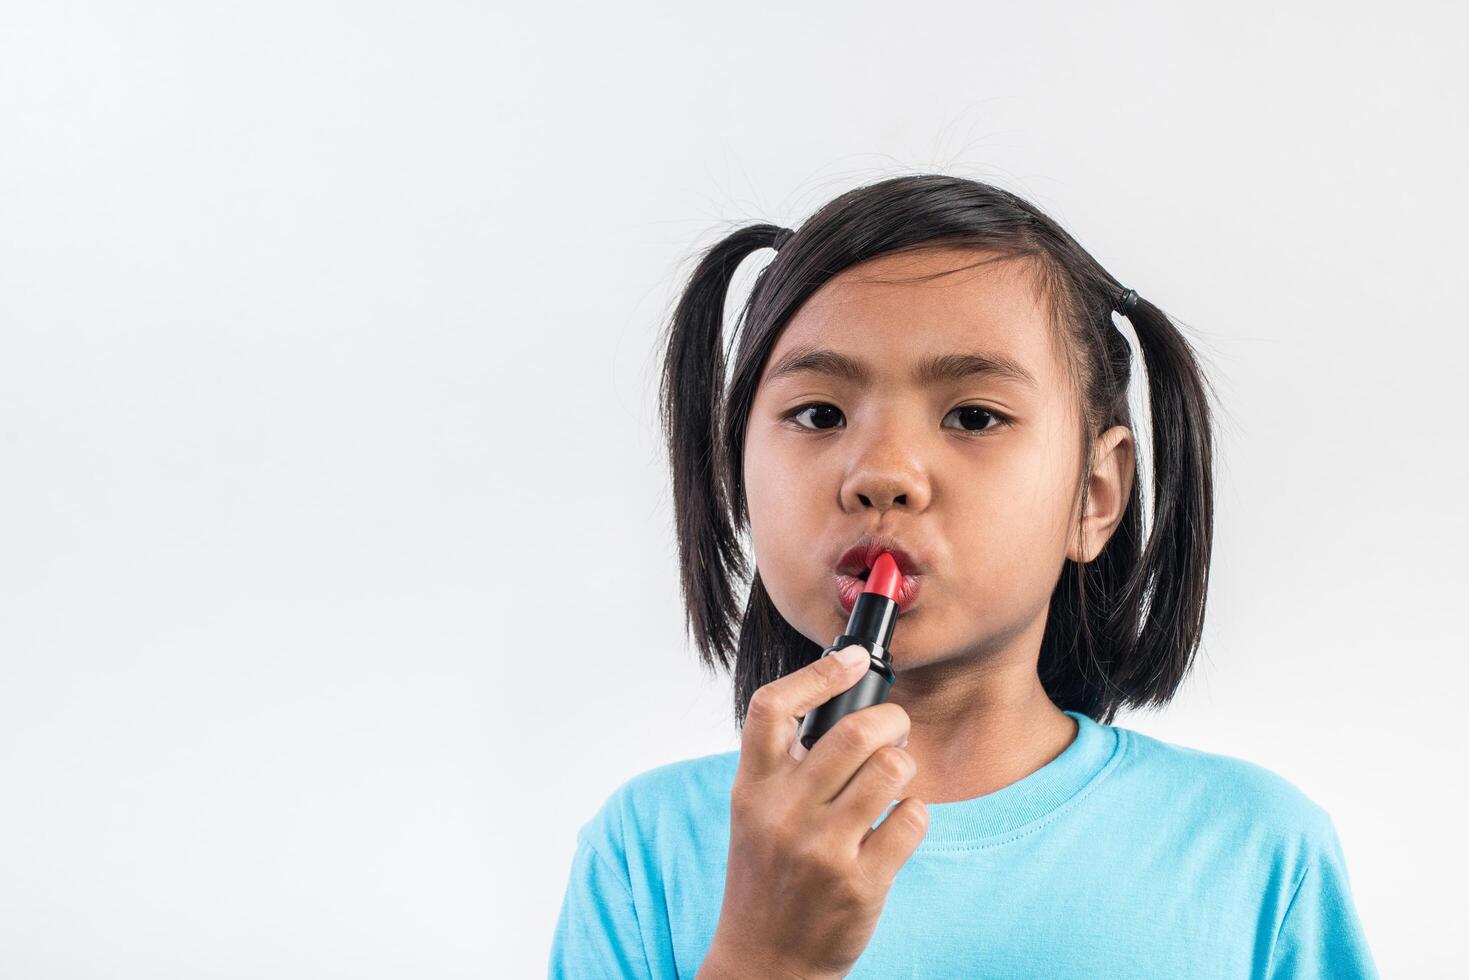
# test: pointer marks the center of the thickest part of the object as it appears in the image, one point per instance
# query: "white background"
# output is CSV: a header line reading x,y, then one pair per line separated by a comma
x,y
337,576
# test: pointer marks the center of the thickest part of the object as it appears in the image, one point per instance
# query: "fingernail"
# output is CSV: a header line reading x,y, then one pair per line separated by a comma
x,y
904,743
851,656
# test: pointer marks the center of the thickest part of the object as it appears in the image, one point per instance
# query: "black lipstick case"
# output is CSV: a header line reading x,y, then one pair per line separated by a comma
x,y
870,626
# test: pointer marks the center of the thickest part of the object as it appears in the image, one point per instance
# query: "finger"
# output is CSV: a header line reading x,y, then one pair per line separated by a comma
x,y
837,755
772,716
885,850
797,750
874,788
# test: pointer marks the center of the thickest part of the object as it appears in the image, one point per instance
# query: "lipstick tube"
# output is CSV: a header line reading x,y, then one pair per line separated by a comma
x,y
870,625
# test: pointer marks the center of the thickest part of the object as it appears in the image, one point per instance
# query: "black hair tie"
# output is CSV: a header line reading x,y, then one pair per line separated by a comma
x,y
781,237
1126,302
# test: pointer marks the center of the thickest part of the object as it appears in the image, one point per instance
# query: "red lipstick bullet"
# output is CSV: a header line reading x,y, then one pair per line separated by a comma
x,y
874,615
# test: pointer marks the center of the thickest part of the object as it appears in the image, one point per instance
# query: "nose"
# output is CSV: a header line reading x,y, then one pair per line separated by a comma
x,y
886,473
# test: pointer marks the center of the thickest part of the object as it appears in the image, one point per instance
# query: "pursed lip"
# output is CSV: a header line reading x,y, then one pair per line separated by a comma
x,y
852,567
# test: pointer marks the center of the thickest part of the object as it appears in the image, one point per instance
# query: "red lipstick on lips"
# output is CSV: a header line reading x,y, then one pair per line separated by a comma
x,y
850,584
874,615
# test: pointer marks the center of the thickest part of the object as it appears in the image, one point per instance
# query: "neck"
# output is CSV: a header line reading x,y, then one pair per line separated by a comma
x,y
979,722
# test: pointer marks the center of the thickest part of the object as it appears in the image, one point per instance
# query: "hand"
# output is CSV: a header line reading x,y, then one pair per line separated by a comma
x,y
807,874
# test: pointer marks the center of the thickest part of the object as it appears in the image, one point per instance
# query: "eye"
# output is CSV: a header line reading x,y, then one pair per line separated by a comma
x,y
819,410
824,416
978,416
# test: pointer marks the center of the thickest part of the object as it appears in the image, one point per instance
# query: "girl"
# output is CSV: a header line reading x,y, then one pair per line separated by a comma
x,y
930,367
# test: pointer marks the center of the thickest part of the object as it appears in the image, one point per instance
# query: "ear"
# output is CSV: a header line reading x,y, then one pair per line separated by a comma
x,y
1109,488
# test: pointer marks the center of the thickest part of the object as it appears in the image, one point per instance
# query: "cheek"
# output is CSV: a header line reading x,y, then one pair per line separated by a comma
x,y
765,496
780,486
775,458
787,509
1010,538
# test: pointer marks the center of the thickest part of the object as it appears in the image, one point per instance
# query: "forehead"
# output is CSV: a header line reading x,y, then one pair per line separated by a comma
x,y
897,310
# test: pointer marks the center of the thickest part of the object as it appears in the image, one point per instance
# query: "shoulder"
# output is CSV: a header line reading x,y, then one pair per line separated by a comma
x,y
1233,820
1218,787
659,806
701,775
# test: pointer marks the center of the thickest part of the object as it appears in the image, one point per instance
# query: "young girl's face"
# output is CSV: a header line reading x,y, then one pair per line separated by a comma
x,y
982,497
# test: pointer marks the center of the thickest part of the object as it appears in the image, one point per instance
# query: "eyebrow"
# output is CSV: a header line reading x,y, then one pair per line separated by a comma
x,y
935,370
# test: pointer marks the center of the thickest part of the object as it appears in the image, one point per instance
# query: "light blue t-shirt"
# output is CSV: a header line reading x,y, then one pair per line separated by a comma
x,y
1125,856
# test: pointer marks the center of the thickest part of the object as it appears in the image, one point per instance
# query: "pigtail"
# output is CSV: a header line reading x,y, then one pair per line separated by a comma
x,y
1138,607
1169,587
691,398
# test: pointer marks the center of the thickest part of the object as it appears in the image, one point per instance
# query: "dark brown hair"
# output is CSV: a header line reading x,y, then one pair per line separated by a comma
x,y
1122,629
